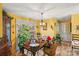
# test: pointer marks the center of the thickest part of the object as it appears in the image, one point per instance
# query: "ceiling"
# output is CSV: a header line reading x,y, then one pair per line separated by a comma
x,y
33,10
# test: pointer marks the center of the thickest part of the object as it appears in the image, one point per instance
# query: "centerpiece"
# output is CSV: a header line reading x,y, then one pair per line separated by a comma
x,y
53,41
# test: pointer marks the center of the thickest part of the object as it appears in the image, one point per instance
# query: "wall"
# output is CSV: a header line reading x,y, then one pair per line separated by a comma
x,y
1,20
13,36
75,22
37,26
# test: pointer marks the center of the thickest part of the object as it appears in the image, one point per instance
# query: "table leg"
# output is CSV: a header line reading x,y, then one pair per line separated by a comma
x,y
34,53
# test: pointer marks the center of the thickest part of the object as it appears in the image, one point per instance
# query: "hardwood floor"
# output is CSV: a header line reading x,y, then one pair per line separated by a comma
x,y
4,50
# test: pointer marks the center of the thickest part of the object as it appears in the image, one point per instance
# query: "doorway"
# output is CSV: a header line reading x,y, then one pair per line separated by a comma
x,y
65,31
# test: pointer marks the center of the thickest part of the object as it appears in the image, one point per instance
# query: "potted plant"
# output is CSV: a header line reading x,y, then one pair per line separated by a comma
x,y
24,34
57,39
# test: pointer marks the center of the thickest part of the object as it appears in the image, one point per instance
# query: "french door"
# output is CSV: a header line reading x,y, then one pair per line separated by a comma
x,y
64,29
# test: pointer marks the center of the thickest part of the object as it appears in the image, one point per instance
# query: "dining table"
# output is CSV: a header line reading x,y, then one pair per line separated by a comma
x,y
33,48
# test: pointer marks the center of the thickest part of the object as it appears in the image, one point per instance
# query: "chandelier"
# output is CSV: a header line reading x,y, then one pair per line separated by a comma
x,y
42,22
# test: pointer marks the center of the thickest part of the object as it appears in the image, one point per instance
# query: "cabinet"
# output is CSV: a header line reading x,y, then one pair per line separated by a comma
x,y
5,43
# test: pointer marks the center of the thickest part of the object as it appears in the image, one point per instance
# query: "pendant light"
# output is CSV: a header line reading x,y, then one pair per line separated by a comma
x,y
42,22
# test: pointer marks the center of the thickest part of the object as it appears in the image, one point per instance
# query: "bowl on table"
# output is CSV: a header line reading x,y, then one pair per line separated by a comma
x,y
34,45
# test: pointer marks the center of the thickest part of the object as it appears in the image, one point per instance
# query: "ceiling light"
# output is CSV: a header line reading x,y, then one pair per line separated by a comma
x,y
42,23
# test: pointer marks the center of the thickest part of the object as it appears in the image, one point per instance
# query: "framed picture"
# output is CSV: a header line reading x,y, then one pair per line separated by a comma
x,y
45,26
77,27
51,27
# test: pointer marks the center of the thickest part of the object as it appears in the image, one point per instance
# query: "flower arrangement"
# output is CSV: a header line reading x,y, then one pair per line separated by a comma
x,y
55,39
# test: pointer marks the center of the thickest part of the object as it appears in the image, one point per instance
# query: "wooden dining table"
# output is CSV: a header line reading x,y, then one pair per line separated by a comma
x,y
34,49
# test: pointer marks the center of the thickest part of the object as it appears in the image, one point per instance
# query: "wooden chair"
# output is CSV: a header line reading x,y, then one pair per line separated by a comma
x,y
50,51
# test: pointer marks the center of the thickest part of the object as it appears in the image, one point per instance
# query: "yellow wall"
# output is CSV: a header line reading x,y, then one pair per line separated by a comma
x,y
75,22
1,20
13,36
37,26
20,17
